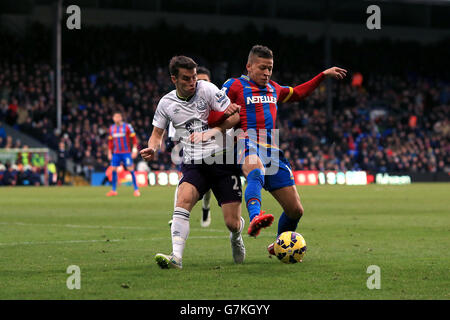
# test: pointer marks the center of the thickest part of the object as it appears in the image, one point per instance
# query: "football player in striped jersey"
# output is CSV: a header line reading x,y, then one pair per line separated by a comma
x,y
257,150
122,148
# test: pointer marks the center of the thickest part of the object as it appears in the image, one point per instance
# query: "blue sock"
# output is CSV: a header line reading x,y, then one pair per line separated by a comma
x,y
286,224
114,180
133,177
255,182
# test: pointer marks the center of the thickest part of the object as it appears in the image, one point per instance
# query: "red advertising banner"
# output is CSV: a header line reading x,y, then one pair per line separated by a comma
x,y
306,178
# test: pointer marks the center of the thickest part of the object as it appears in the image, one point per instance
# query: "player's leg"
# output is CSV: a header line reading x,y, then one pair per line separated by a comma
x,y
253,170
191,187
206,212
289,200
133,178
232,216
114,179
174,204
115,162
282,187
113,191
228,192
187,196
130,167
235,223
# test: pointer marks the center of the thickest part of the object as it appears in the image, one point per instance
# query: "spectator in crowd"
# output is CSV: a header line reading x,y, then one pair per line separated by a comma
x,y
9,175
52,173
88,164
11,113
2,133
61,163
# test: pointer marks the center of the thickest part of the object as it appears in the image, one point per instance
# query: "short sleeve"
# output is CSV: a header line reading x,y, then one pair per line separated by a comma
x,y
160,119
171,130
218,99
131,130
284,93
227,88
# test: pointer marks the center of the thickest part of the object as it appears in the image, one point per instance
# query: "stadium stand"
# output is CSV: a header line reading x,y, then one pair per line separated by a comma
x,y
387,117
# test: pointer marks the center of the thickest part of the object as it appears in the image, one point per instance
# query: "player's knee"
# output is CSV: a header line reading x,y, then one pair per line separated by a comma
x,y
233,224
251,163
296,211
301,211
184,202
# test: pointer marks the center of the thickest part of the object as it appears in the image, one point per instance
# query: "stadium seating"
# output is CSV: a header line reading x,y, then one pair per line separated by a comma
x,y
383,120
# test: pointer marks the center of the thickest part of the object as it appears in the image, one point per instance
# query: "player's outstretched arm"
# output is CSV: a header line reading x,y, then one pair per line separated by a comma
x,y
335,73
305,89
154,143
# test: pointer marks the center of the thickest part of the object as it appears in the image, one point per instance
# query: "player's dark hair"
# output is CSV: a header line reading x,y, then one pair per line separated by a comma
x,y
117,112
260,51
178,62
203,70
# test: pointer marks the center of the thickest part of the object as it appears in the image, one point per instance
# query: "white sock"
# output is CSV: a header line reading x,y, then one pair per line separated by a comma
x,y
206,199
179,230
175,198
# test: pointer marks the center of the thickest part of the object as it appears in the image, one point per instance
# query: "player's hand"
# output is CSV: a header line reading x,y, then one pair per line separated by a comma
x,y
198,137
147,154
109,155
134,153
336,73
232,109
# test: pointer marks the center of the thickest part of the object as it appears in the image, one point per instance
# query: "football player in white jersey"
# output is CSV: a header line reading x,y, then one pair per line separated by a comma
x,y
188,108
202,74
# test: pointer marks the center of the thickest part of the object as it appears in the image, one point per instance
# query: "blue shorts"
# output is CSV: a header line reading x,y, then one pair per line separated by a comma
x,y
118,158
278,171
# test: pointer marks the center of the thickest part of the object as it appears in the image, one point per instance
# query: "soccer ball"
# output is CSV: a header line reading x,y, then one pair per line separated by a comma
x,y
290,247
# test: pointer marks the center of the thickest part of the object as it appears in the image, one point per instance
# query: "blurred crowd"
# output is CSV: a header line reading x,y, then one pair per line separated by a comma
x,y
390,124
388,115
22,167
16,174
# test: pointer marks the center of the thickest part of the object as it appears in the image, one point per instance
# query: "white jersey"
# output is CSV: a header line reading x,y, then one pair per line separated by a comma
x,y
171,131
192,116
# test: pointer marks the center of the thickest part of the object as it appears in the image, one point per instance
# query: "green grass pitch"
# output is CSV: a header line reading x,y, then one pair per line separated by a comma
x,y
405,230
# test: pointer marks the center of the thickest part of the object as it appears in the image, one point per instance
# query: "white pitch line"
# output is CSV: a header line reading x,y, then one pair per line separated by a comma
x,y
5,244
76,226
79,226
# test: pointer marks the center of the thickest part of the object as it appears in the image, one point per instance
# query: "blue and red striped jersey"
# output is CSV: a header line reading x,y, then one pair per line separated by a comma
x,y
260,104
121,138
